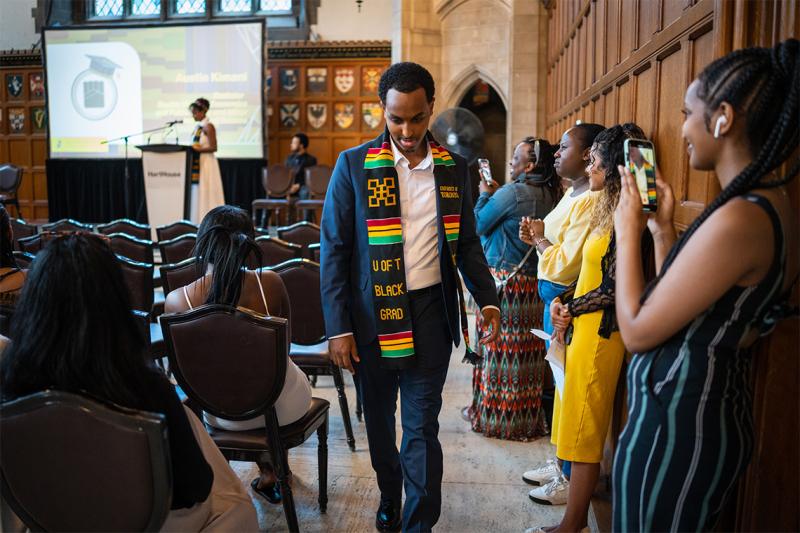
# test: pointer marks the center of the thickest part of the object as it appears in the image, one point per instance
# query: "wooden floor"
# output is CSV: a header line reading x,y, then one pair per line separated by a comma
x,y
482,488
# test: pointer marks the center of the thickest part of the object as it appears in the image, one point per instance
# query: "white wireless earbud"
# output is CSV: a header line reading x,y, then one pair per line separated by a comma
x,y
720,122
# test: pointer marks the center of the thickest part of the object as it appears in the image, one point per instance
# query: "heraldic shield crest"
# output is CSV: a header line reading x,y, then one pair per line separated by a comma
x,y
344,79
317,80
290,115
372,114
289,80
14,85
344,115
317,115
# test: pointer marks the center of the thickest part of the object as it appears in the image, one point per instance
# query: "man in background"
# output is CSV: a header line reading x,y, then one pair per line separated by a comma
x,y
299,160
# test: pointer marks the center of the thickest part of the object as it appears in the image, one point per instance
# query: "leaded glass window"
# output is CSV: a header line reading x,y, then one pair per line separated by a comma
x,y
190,7
276,5
235,6
107,8
146,7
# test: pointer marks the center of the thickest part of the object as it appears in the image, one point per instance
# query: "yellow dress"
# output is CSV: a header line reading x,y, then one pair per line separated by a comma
x,y
592,370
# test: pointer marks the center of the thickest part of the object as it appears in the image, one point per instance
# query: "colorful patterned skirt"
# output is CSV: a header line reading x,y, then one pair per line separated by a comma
x,y
507,385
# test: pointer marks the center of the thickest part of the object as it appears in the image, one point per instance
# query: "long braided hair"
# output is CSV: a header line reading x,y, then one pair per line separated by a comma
x,y
609,147
763,84
540,153
225,241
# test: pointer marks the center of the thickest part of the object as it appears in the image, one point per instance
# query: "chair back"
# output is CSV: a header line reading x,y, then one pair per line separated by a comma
x,y
277,180
6,314
106,468
33,244
301,278
127,226
274,251
314,252
66,225
177,249
302,233
178,275
139,280
175,229
10,178
231,362
21,230
317,179
23,259
134,249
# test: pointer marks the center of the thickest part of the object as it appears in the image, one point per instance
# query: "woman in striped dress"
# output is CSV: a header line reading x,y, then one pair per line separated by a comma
x,y
689,433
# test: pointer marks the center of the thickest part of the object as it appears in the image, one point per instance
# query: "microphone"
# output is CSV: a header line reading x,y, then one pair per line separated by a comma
x,y
173,122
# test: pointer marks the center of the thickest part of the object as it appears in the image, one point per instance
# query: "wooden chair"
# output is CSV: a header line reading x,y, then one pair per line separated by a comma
x,y
74,443
23,259
139,280
10,179
6,314
302,233
232,364
176,229
178,275
127,226
21,230
275,251
314,252
151,331
177,249
66,225
309,348
33,244
276,180
317,179
135,249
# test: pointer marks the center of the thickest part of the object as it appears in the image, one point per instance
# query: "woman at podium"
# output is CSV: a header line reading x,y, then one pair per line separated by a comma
x,y
207,190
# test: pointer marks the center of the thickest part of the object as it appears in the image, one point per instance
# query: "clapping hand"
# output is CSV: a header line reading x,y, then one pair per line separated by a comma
x,y
525,231
559,314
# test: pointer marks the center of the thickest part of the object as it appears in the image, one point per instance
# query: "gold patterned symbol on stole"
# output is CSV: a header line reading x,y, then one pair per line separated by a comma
x,y
382,192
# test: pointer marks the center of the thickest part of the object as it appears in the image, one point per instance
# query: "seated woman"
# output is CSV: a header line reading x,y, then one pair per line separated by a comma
x,y
73,330
225,240
11,276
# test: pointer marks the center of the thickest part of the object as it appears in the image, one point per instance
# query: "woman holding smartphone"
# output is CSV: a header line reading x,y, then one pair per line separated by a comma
x,y
689,433
507,384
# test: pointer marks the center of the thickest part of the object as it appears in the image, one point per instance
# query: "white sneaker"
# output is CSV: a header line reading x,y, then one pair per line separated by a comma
x,y
554,493
543,473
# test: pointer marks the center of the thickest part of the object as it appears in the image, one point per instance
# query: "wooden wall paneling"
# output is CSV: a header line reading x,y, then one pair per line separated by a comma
x,y
671,11
625,101
598,24
611,107
611,34
627,28
645,97
336,133
599,109
648,13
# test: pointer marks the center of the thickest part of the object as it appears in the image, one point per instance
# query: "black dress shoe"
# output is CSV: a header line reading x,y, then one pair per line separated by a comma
x,y
388,517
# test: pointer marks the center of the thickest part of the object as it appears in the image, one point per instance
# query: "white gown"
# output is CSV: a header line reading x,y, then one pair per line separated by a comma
x,y
208,193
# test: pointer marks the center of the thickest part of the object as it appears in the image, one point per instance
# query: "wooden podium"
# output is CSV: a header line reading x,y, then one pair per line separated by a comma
x,y
167,182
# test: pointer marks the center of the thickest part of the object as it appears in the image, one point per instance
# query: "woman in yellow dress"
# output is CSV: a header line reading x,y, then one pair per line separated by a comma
x,y
585,312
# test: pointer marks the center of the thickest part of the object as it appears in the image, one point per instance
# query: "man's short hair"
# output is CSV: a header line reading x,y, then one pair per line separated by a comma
x,y
302,137
406,77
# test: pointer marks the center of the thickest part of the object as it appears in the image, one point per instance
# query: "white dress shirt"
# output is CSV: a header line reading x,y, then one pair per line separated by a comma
x,y
418,217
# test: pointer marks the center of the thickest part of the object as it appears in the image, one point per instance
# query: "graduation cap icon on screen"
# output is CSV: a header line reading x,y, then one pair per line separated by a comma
x,y
94,93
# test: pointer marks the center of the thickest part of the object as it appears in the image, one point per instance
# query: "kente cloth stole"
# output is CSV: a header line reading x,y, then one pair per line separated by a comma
x,y
198,130
385,236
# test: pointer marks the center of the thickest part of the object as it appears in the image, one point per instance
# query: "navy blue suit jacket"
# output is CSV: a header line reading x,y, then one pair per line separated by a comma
x,y
344,254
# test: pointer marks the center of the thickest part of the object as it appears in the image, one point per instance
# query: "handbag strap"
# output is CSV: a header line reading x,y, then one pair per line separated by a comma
x,y
516,268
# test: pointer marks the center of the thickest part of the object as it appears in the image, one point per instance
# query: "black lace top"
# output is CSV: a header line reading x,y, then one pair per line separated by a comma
x,y
600,298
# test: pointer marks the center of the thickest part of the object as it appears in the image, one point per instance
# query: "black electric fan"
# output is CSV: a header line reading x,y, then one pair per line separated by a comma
x,y
459,130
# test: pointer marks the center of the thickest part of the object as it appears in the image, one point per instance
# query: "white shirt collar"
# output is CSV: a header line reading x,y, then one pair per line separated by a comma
x,y
425,164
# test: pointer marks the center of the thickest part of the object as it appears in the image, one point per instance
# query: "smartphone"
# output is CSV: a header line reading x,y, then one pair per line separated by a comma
x,y
640,158
485,171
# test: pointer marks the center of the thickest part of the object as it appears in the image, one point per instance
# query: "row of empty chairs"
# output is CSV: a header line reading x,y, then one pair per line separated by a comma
x,y
277,180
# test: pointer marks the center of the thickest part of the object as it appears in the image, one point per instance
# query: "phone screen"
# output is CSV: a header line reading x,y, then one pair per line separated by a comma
x,y
485,170
640,156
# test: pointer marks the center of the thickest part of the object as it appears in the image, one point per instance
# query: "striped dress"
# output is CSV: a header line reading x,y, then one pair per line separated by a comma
x,y
689,434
